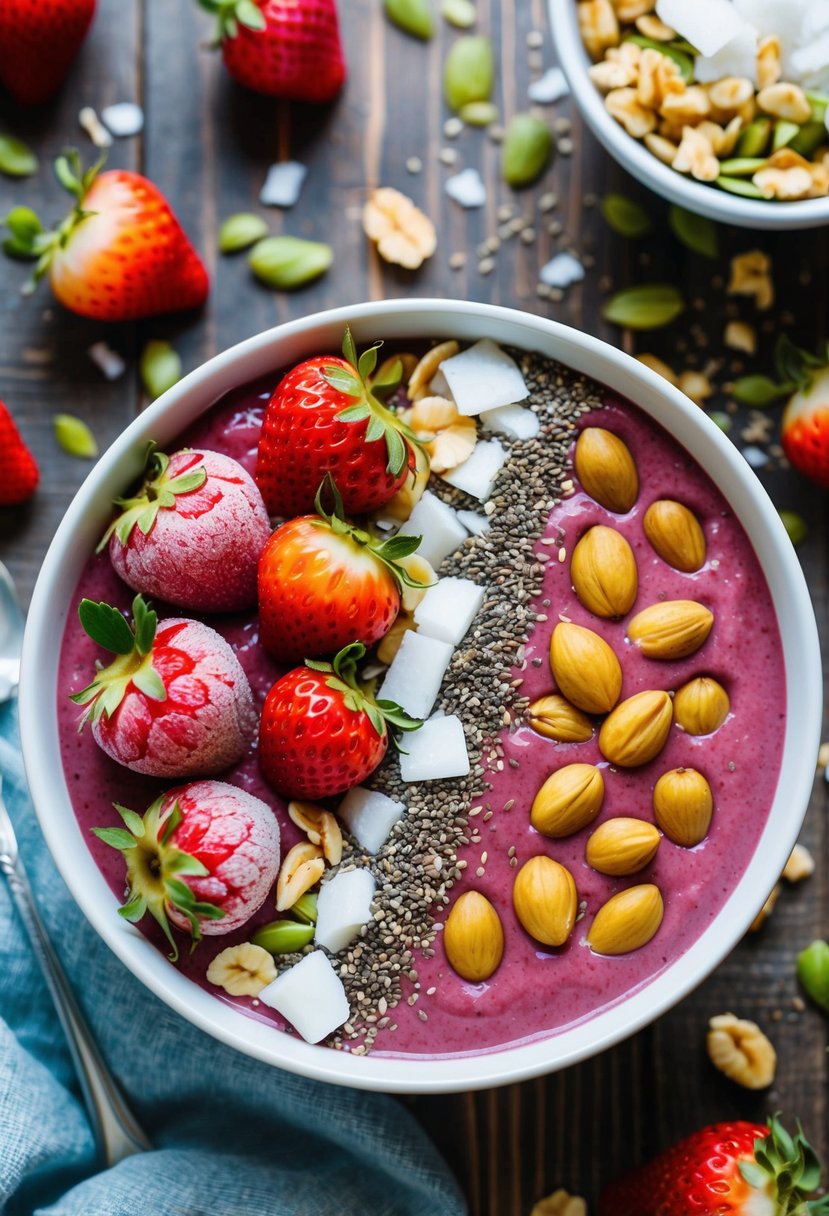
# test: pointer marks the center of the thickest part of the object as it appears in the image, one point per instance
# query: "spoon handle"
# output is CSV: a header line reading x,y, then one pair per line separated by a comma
x,y
116,1130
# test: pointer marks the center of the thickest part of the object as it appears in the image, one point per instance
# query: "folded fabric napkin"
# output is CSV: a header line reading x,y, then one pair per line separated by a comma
x,y
231,1135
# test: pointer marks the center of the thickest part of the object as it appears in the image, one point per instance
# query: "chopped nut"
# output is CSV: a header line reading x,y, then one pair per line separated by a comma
x,y
608,75
766,910
659,366
629,54
696,156
599,26
739,335
560,1203
786,101
820,179
658,76
768,61
631,10
429,415
801,864
301,869
422,375
242,970
722,139
751,276
622,105
452,445
662,148
739,1049
731,93
787,184
321,828
404,235
651,26
823,757
690,107
696,386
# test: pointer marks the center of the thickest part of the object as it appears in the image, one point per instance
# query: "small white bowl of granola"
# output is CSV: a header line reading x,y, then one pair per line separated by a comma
x,y
720,106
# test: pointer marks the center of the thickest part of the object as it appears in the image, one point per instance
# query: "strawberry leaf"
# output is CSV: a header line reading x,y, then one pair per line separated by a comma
x,y
185,863
396,450
250,15
753,1174
398,546
368,361
383,386
342,380
354,413
148,681
172,821
760,391
133,821
145,624
208,911
186,483
86,694
179,893
134,909
375,429
349,347
119,838
397,716
106,626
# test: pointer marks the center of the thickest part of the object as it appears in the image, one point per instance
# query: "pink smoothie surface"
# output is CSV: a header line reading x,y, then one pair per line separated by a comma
x,y
537,990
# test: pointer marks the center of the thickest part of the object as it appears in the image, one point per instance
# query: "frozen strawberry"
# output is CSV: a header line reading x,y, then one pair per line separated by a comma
x,y
174,703
324,418
18,471
38,41
192,534
283,48
120,255
203,857
321,732
324,583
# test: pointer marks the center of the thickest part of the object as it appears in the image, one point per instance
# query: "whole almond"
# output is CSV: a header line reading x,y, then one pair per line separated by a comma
x,y
606,469
671,629
568,801
585,668
627,921
637,729
683,806
701,706
555,718
604,574
622,846
675,534
473,937
545,900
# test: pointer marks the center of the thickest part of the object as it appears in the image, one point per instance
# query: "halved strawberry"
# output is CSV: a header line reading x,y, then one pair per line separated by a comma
x,y
324,418
324,583
320,732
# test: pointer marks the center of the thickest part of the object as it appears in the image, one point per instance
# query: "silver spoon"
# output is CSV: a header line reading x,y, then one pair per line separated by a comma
x,y
116,1130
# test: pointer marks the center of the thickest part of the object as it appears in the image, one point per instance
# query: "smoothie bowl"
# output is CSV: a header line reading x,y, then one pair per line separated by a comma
x,y
598,664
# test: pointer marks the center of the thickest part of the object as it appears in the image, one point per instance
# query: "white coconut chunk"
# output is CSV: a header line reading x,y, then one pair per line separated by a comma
x,y
552,86
482,377
416,673
476,476
466,188
474,522
810,63
438,526
439,385
448,609
756,457
123,118
283,185
562,271
370,816
343,907
706,24
310,995
737,58
514,421
107,360
436,751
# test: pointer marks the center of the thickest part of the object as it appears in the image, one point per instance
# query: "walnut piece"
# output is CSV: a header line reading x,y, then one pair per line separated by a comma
x,y
751,276
695,385
321,828
636,119
404,235
739,1049
301,869
652,27
696,156
786,101
599,26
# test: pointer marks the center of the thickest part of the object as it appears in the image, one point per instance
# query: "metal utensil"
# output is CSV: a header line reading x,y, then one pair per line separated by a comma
x,y
117,1132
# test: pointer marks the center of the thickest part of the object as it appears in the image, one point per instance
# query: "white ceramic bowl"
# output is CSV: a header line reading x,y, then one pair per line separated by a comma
x,y
645,167
407,320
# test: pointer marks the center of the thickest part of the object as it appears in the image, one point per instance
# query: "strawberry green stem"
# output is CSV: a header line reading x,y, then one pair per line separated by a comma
x,y
133,666
788,1168
158,491
389,552
230,14
343,679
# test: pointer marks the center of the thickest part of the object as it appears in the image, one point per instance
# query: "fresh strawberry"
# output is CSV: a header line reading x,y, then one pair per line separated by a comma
x,y
804,429
18,472
174,703
192,534
324,418
729,1169
203,856
284,48
320,732
38,41
323,583
119,255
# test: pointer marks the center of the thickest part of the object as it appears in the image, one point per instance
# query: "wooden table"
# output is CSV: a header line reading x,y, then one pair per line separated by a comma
x,y
207,145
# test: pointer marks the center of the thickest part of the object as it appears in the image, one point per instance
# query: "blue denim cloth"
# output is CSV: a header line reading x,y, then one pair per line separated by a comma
x,y
231,1135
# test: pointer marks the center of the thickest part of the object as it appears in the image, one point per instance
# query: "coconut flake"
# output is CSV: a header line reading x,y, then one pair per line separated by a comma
x,y
474,522
706,24
436,751
552,86
283,185
476,476
123,118
107,360
466,188
562,271
737,58
514,421
310,995
483,377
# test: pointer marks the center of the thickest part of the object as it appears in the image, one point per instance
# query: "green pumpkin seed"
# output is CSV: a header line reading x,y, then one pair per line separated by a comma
x,y
159,367
241,231
283,936
795,525
759,391
695,231
75,437
528,146
722,420
736,185
784,133
819,103
683,61
16,158
288,262
808,139
648,306
813,972
626,216
754,140
460,13
743,166
469,72
412,16
479,113
305,908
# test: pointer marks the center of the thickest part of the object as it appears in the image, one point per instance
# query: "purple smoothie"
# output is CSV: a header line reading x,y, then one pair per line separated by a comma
x,y
536,990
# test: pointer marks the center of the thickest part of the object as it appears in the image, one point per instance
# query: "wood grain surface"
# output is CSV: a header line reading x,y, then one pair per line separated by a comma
x,y
207,145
